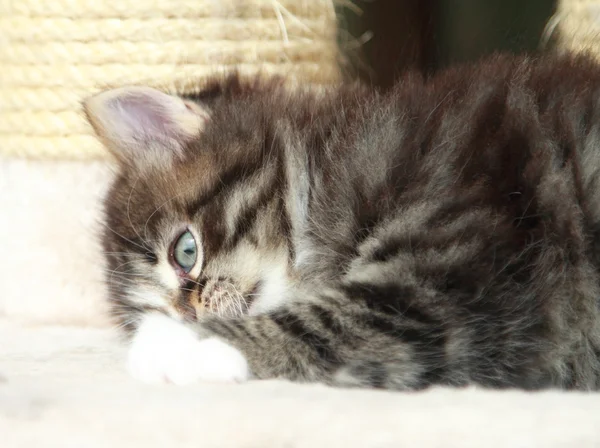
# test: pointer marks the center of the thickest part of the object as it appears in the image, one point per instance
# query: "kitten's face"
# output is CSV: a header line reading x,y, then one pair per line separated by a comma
x,y
193,220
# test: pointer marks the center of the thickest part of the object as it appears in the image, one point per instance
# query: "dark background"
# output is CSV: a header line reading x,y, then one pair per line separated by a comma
x,y
430,34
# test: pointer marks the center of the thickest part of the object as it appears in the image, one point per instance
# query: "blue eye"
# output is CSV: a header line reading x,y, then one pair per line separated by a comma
x,y
185,251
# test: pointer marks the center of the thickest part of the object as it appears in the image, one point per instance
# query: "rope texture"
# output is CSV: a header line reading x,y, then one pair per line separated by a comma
x,y
55,53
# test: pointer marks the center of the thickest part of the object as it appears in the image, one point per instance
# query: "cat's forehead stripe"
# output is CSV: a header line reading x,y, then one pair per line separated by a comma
x,y
223,181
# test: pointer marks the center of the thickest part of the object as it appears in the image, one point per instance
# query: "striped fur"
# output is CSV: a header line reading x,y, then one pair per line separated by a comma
x,y
445,232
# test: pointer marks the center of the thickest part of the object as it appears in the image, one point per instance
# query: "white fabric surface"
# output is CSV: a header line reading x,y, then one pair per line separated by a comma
x,y
50,263
62,382
65,387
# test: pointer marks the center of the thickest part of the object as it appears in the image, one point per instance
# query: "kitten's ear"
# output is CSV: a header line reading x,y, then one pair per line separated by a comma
x,y
141,125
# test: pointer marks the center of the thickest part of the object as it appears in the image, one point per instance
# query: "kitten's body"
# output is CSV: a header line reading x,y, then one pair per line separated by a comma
x,y
445,232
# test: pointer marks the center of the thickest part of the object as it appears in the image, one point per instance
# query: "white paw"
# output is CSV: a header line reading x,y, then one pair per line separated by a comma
x,y
165,351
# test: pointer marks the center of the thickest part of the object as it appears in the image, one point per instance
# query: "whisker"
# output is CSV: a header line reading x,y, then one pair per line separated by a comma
x,y
239,306
220,308
229,303
125,254
115,270
130,274
126,239
194,282
144,242
238,302
155,211
120,282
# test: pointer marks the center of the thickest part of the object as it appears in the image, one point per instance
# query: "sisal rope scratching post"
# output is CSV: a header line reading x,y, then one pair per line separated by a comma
x,y
55,53
53,172
575,26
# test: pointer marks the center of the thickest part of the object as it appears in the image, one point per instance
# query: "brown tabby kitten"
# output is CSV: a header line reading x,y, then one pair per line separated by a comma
x,y
447,232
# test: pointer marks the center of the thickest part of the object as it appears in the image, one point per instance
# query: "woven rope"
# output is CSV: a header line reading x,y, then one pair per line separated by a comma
x,y
143,9
55,53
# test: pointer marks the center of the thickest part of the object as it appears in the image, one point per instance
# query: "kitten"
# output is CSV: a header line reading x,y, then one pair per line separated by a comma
x,y
446,232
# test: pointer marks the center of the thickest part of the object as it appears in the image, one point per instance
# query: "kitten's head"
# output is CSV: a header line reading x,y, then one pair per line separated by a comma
x,y
195,219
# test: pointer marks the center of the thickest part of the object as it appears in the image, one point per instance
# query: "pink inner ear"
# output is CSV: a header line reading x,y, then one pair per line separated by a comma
x,y
139,116
142,121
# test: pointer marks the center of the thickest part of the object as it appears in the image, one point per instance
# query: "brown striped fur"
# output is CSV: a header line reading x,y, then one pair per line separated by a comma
x,y
446,232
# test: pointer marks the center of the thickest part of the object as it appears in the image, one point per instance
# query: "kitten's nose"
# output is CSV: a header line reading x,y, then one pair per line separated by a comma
x,y
220,296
